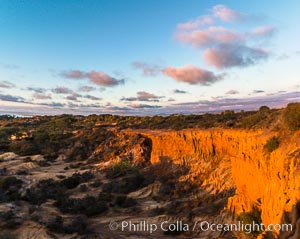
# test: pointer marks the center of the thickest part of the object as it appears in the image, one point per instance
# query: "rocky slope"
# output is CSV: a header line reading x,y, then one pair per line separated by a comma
x,y
234,164
191,175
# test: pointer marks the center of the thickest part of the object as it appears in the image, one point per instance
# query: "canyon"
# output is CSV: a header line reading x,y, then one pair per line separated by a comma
x,y
233,164
218,174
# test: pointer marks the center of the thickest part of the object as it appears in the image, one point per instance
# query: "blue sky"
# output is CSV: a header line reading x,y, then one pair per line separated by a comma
x,y
147,57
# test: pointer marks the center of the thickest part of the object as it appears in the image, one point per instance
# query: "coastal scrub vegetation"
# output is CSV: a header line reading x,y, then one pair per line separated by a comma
x,y
250,218
292,116
272,144
77,136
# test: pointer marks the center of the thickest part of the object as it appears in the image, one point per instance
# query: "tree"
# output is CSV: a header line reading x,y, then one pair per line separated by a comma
x,y
292,116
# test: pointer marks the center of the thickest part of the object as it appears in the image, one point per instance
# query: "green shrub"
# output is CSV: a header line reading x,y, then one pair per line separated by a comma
x,y
272,144
51,189
43,163
292,116
7,235
120,169
83,188
55,224
250,218
97,183
44,190
76,225
264,108
89,206
76,179
9,188
125,185
7,182
11,221
124,201
23,147
253,120
22,172
106,197
51,157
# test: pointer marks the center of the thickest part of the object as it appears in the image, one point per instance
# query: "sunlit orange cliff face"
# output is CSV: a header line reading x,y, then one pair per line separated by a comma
x,y
234,164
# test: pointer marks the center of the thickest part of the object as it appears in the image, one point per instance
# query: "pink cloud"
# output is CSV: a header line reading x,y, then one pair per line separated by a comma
x,y
74,74
232,92
226,14
263,31
192,75
96,77
6,84
196,23
143,96
91,97
230,56
144,106
224,47
73,96
148,69
101,78
86,88
41,96
209,37
220,12
62,90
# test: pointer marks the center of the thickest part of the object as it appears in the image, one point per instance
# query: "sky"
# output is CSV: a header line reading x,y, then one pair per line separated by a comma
x,y
147,57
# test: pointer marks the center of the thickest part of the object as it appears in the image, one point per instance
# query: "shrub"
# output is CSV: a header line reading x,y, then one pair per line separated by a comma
x,y
119,169
264,108
76,179
292,116
254,119
71,182
22,172
27,160
43,163
83,188
272,144
51,189
59,176
9,188
51,157
44,190
8,182
89,206
124,201
251,218
24,148
125,185
106,197
76,225
55,224
77,165
6,235
97,183
10,220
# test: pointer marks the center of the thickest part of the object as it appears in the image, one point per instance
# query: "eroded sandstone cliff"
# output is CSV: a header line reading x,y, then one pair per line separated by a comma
x,y
234,164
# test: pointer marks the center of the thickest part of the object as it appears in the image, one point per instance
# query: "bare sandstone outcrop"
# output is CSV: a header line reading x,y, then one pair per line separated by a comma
x,y
224,161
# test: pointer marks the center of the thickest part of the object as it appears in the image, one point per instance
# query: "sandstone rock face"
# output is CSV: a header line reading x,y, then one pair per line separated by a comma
x,y
233,163
132,147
